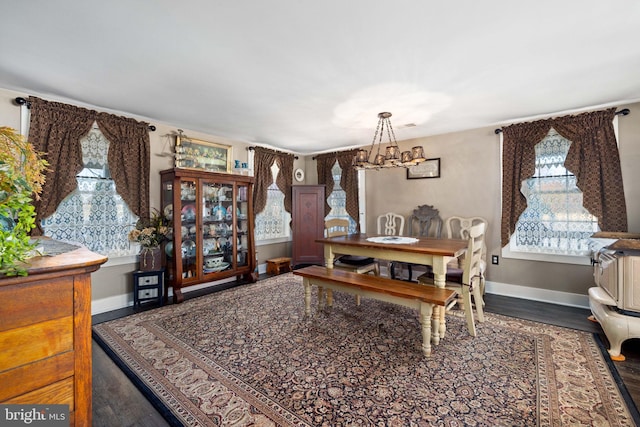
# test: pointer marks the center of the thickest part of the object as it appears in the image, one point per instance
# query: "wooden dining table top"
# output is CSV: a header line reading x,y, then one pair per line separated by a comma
x,y
424,245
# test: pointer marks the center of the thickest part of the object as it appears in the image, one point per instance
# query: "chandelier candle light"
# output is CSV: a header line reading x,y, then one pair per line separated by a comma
x,y
392,157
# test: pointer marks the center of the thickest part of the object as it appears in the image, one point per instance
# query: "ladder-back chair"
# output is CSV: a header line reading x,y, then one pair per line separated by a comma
x,y
470,285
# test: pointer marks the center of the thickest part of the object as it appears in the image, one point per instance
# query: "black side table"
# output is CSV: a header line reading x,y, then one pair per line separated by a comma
x,y
148,286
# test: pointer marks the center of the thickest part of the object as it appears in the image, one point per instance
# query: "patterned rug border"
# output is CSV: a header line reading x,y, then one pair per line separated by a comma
x,y
157,403
173,420
631,405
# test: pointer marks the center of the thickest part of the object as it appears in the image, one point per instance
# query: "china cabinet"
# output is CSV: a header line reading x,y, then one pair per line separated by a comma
x,y
212,221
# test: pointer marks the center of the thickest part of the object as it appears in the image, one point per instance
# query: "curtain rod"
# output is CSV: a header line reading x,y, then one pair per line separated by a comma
x,y
251,149
622,112
22,101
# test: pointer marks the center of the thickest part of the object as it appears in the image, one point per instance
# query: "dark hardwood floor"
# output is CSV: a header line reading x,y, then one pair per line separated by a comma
x,y
118,402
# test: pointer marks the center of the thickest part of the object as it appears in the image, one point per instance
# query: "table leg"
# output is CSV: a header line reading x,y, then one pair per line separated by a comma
x,y
426,310
440,280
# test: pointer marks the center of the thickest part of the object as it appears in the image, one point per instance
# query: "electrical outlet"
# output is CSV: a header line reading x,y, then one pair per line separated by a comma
x,y
495,260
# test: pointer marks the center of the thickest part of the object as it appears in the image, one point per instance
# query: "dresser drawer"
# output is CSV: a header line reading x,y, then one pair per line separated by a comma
x,y
22,346
26,378
60,393
34,302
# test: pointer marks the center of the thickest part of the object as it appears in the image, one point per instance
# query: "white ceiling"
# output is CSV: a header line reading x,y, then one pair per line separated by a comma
x,y
310,76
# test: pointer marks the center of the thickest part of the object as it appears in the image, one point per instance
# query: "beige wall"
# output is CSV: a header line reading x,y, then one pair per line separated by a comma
x,y
469,186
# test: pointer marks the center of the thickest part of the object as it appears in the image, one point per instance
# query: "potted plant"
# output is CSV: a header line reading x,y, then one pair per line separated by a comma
x,y
150,233
21,179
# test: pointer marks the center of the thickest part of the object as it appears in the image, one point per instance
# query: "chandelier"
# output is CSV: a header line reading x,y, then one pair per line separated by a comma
x,y
392,156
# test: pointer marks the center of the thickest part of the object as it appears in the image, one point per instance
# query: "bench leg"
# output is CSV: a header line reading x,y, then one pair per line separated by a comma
x,y
307,297
426,310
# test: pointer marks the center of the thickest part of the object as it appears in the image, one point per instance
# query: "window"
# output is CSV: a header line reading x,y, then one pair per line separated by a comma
x,y
272,224
554,222
94,215
338,199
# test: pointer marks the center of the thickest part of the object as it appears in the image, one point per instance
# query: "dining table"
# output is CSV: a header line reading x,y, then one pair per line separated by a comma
x,y
416,250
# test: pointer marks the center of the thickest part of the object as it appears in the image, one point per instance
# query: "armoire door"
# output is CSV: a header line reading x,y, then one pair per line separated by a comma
x,y
308,224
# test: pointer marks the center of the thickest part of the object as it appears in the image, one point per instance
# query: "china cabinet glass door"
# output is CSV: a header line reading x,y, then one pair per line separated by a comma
x,y
217,226
190,245
242,225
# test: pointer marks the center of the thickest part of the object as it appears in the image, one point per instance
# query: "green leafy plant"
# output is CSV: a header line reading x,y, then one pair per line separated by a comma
x,y
21,179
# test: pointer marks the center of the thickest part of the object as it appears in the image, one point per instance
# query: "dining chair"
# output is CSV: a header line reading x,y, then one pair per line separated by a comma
x,y
470,285
390,224
358,264
457,227
425,221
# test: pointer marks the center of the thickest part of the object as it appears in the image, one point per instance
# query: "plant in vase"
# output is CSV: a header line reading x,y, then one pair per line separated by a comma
x,y
150,233
21,178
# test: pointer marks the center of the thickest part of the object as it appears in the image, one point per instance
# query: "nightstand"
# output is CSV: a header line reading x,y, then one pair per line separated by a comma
x,y
148,286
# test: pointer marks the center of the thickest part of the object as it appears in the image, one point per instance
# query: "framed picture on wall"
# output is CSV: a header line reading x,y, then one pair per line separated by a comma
x,y
430,168
202,155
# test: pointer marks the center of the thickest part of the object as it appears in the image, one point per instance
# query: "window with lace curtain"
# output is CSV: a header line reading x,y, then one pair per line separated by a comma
x,y
555,221
94,214
272,224
338,200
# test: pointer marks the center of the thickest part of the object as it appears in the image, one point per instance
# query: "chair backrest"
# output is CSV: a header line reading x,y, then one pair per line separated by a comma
x,y
425,222
391,224
473,255
336,227
458,227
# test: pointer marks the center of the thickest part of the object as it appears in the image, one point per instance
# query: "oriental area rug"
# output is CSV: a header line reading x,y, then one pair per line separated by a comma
x,y
247,356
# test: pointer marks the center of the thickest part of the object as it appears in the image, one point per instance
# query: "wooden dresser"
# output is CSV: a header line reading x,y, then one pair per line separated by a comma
x,y
45,334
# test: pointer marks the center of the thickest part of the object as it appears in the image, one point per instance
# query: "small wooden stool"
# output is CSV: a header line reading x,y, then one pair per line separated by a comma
x,y
277,266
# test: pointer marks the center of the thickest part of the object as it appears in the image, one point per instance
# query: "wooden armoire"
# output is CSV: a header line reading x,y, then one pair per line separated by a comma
x,y
308,224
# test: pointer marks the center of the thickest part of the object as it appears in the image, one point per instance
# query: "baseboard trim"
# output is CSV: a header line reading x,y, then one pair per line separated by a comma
x,y
117,302
537,294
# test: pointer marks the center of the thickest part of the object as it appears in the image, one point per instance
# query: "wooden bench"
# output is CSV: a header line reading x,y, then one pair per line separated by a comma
x,y
277,266
420,297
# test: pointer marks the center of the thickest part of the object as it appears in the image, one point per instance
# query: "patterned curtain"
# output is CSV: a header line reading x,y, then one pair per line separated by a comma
x,y
593,158
129,159
348,180
55,129
284,180
324,164
595,161
349,183
263,159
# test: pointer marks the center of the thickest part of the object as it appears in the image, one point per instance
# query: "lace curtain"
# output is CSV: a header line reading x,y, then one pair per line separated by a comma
x,y
555,220
93,214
